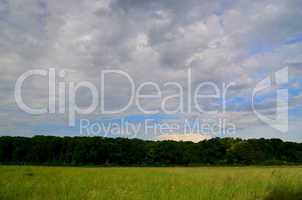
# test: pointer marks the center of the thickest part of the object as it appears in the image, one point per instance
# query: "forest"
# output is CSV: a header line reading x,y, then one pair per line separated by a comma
x,y
78,151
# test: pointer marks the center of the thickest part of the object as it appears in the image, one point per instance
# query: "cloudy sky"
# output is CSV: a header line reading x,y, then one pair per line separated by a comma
x,y
159,41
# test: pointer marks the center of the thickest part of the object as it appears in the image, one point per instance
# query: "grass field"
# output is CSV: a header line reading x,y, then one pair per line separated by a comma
x,y
25,182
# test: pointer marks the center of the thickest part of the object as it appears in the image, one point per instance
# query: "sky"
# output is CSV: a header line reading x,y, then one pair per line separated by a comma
x,y
159,42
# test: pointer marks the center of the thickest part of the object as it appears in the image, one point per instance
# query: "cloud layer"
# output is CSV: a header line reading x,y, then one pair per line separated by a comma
x,y
221,41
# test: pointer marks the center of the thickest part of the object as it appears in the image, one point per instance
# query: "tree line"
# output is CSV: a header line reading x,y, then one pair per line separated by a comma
x,y
51,150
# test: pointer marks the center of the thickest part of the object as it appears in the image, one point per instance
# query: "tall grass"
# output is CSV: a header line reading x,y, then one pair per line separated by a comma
x,y
284,188
214,183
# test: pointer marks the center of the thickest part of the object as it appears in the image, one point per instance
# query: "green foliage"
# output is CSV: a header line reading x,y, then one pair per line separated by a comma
x,y
50,150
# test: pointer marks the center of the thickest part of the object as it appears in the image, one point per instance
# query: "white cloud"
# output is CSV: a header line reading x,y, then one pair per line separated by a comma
x,y
152,41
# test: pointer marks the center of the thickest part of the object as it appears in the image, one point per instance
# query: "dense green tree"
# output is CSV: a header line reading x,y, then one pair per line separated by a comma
x,y
49,150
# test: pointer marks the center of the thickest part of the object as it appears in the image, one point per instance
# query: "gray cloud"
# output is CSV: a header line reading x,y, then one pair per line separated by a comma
x,y
222,41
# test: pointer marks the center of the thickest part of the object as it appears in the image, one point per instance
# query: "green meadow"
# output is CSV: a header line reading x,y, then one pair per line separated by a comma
x,y
73,183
